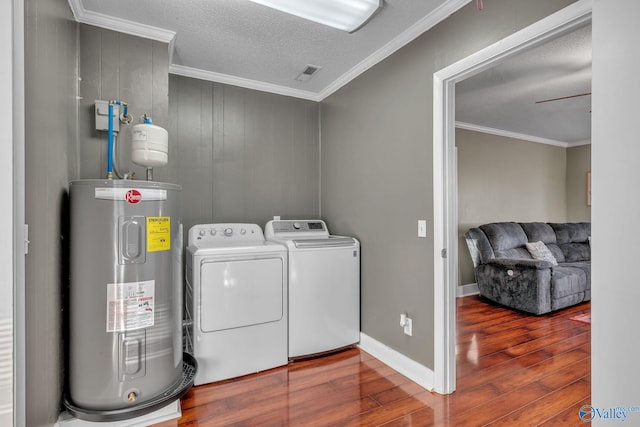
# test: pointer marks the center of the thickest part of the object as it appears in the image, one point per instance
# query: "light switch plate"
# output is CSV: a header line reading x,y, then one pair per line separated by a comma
x,y
422,228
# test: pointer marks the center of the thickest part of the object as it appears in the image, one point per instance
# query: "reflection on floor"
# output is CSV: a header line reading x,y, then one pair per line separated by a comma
x,y
512,369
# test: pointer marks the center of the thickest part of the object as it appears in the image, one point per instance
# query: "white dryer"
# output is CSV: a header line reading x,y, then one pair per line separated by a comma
x,y
237,299
324,286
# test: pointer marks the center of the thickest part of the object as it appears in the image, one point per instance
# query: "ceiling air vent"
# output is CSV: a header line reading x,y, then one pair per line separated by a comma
x,y
308,72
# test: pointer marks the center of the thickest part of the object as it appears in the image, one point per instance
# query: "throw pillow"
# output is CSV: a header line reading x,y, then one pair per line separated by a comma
x,y
539,250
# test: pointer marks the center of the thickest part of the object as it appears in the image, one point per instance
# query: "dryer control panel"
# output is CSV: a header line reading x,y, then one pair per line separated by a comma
x,y
289,228
202,234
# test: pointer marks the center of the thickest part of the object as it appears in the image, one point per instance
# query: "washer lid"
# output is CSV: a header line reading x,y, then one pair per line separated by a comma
x,y
328,242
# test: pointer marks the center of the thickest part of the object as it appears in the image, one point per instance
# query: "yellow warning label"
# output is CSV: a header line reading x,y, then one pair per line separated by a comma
x,y
158,233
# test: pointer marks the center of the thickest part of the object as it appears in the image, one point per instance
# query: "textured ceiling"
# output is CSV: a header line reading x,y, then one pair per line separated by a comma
x,y
246,44
247,41
504,97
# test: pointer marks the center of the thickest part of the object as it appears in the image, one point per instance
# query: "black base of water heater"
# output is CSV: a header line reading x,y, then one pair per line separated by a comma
x,y
189,368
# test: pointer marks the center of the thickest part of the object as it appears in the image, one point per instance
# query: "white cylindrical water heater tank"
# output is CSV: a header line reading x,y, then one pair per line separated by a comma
x,y
125,298
149,145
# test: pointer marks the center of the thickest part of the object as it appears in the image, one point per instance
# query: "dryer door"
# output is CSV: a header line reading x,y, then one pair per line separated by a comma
x,y
240,293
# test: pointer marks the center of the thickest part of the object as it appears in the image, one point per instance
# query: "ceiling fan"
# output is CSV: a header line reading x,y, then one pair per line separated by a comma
x,y
564,97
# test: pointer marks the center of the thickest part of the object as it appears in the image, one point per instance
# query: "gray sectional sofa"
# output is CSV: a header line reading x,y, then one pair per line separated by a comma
x,y
507,273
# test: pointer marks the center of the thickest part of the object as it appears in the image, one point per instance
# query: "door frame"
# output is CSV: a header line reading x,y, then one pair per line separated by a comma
x,y
445,191
12,266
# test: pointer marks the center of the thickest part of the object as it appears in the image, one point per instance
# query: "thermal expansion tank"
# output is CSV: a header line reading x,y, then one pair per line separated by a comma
x,y
125,298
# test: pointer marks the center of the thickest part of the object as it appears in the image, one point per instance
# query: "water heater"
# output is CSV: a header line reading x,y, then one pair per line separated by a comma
x,y
125,299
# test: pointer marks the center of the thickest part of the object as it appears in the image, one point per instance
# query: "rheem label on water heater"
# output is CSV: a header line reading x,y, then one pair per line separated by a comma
x,y
130,306
133,196
158,233
130,195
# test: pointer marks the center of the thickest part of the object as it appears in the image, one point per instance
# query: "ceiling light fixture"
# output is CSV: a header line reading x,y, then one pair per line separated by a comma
x,y
346,15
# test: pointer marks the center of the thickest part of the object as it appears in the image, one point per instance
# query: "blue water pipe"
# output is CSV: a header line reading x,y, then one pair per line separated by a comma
x,y
110,142
125,113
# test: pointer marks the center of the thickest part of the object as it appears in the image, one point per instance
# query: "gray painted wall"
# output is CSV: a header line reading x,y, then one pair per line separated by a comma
x,y
50,111
578,164
242,155
506,179
377,166
615,291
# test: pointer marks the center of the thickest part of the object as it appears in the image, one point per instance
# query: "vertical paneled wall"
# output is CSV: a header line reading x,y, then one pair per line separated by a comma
x,y
242,155
124,67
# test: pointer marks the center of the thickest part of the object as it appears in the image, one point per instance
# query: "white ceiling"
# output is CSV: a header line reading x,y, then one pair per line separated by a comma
x,y
502,100
249,45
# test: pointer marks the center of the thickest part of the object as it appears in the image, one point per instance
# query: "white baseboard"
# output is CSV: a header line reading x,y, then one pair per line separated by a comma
x,y
411,369
468,290
169,412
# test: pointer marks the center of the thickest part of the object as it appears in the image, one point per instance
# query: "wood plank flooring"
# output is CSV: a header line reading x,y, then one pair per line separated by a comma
x,y
513,369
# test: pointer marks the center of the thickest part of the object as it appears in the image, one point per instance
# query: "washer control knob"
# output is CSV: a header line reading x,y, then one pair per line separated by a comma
x,y
296,225
243,231
228,232
201,232
212,231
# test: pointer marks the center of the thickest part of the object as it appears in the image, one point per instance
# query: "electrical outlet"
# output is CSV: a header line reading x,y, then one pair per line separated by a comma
x,y
406,323
408,326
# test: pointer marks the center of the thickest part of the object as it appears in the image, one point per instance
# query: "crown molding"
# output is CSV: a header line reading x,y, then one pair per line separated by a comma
x,y
416,30
509,134
579,143
121,25
196,73
159,34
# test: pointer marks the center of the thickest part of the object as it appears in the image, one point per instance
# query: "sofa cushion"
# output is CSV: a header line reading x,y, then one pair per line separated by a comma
x,y
539,250
539,231
575,252
575,232
557,252
573,241
507,239
543,232
566,280
586,267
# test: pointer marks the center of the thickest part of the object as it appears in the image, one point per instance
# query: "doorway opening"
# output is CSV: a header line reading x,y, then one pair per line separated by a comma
x,y
445,177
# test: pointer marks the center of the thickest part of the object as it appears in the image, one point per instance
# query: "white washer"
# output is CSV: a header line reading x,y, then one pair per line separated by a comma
x,y
237,299
324,286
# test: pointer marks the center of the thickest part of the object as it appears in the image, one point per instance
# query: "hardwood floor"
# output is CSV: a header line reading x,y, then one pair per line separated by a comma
x,y
513,370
